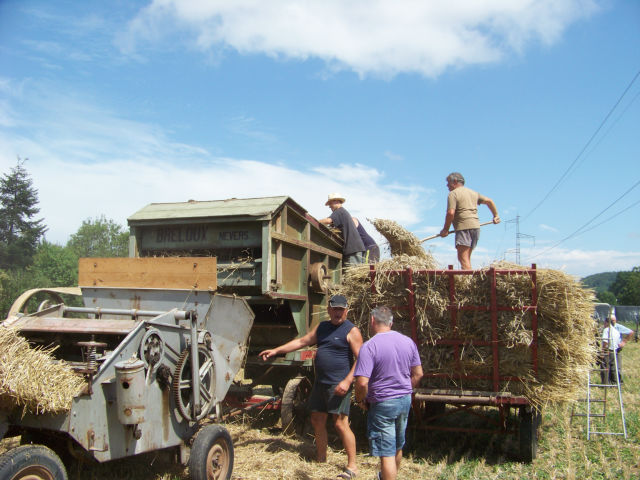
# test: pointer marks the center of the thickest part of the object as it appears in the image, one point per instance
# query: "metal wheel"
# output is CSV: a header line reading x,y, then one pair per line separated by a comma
x,y
31,462
318,275
211,454
182,385
529,423
293,410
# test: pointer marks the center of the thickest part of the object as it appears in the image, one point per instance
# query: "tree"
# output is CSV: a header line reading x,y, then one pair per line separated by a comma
x,y
606,297
19,232
626,287
57,266
101,237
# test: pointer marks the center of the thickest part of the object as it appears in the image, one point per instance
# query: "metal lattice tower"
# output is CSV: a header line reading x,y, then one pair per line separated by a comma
x,y
519,236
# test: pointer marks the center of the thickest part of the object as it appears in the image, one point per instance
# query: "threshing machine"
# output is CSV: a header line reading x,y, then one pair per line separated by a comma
x,y
271,252
158,350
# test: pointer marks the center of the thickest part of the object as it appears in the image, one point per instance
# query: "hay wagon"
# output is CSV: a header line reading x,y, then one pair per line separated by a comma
x,y
469,384
270,252
154,356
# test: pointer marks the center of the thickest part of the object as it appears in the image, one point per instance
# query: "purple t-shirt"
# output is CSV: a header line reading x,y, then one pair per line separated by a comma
x,y
386,359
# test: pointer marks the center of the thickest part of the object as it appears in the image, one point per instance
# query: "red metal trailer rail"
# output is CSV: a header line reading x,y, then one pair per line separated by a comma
x,y
429,404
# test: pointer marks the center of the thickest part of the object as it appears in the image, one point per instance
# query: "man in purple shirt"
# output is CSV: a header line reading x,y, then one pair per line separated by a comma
x,y
387,370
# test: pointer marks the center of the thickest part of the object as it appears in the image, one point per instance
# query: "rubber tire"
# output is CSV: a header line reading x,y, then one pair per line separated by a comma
x,y
293,413
529,422
211,442
21,461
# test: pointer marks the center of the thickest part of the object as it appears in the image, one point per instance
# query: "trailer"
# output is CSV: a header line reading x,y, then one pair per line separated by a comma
x,y
430,410
157,354
271,252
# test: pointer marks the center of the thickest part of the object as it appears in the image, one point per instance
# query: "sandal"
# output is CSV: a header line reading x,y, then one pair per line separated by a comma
x,y
347,474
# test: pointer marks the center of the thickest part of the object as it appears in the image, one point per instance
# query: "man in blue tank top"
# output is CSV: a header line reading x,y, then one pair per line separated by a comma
x,y
339,343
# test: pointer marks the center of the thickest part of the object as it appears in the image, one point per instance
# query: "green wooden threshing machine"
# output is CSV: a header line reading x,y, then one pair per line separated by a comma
x,y
271,252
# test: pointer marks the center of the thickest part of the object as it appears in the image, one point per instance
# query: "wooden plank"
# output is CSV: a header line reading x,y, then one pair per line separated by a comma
x,y
76,325
167,272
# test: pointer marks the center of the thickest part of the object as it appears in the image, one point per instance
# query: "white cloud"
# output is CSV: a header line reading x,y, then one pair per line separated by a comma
x,y
548,228
381,37
394,157
90,161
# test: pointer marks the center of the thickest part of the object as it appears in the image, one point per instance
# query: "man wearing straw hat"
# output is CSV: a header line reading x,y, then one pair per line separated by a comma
x,y
353,248
388,369
462,211
339,343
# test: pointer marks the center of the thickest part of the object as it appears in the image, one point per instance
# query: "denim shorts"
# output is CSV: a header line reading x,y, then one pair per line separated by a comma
x,y
323,399
468,238
386,424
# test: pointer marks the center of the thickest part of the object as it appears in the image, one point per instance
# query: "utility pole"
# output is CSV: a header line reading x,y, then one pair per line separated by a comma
x,y
519,236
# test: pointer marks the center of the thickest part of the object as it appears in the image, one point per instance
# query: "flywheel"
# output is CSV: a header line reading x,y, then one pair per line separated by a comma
x,y
182,384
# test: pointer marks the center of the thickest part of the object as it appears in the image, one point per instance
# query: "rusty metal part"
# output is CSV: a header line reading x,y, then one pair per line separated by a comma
x,y
182,385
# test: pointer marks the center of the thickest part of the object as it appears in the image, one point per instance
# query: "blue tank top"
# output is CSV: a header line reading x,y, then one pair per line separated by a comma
x,y
334,357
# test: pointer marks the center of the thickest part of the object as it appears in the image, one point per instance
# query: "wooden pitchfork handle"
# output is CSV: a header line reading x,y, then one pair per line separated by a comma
x,y
452,231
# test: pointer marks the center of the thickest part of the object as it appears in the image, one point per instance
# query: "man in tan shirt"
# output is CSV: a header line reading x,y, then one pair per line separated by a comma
x,y
462,211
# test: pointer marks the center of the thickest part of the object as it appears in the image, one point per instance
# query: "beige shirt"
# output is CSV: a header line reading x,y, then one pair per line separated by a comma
x,y
465,202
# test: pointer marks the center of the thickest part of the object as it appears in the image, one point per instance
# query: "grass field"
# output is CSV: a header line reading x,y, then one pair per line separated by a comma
x,y
262,453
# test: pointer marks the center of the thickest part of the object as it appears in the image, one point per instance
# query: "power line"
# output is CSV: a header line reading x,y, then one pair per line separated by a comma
x,y
610,218
583,227
566,172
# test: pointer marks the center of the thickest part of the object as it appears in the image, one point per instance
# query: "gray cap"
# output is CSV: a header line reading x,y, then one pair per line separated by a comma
x,y
338,301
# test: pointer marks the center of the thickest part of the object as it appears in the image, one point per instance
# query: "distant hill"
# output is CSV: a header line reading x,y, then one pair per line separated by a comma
x,y
600,282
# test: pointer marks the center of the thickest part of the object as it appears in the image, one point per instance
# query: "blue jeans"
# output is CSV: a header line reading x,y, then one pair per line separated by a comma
x,y
353,259
386,424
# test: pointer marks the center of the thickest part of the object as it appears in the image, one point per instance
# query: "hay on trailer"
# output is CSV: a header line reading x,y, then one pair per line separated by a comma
x,y
565,334
30,378
401,241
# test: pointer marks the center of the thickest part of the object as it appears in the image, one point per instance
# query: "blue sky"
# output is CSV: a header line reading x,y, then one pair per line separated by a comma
x,y
120,104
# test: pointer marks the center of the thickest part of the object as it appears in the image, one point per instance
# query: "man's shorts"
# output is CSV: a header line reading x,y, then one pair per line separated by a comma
x,y
386,424
468,238
323,399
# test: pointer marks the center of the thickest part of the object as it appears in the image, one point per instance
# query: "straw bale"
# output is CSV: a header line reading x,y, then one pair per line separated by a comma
x,y
400,240
566,332
30,378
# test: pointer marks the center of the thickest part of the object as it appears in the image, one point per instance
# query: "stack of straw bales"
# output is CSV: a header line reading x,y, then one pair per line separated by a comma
x,y
31,379
566,336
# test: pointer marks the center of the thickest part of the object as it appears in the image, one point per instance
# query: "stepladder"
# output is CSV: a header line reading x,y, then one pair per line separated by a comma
x,y
603,405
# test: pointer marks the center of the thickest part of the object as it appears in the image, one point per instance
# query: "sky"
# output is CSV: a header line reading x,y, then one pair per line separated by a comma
x,y
124,103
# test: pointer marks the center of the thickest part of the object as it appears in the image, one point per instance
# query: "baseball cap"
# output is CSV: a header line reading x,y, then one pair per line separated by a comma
x,y
338,301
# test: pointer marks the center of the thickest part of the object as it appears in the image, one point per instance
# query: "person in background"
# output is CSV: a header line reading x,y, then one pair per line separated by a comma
x,y
626,334
387,371
462,211
372,251
339,343
353,248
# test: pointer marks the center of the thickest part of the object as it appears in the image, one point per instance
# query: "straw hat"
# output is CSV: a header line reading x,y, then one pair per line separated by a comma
x,y
335,196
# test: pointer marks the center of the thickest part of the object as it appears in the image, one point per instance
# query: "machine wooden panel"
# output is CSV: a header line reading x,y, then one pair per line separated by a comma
x,y
149,272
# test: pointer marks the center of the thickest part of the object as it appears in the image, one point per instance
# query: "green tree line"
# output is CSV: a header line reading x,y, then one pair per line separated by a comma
x,y
27,259
616,288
